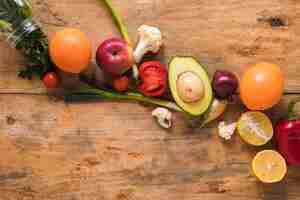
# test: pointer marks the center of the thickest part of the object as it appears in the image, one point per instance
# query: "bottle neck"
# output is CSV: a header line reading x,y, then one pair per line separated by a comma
x,y
22,29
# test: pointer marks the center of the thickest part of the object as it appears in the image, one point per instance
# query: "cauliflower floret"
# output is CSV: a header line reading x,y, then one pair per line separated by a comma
x,y
150,41
163,117
226,131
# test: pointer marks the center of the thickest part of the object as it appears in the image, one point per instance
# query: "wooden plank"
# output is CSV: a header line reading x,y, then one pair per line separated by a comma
x,y
52,150
231,35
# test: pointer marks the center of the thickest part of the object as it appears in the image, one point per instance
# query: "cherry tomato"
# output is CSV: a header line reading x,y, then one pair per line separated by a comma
x,y
261,86
51,80
121,83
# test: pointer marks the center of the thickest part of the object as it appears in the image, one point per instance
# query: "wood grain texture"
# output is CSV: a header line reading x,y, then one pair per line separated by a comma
x,y
51,150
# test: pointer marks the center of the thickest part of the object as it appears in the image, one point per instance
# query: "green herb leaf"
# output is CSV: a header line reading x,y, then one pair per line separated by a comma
x,y
33,45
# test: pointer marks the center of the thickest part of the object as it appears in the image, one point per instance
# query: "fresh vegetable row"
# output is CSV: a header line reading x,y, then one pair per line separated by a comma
x,y
131,78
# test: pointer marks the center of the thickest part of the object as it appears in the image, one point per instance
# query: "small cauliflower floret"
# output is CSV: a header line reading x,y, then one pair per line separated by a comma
x,y
226,131
190,87
150,41
163,117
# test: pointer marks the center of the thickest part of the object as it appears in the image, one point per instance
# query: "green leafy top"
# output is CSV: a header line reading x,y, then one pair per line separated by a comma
x,y
33,44
12,14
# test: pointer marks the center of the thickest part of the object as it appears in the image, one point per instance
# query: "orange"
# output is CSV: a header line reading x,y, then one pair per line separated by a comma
x,y
269,166
261,87
70,50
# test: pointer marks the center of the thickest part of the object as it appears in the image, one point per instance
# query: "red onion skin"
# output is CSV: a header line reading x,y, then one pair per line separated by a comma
x,y
225,84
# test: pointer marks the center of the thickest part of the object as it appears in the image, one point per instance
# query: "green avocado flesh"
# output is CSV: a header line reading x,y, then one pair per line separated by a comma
x,y
179,65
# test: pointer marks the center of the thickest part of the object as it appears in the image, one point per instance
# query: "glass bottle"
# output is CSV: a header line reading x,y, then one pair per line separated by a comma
x,y
22,32
16,20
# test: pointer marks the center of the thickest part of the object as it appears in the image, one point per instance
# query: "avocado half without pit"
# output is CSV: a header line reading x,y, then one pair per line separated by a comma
x,y
190,85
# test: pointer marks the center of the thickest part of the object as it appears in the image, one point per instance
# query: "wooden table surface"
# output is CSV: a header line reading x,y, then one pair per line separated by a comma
x,y
51,150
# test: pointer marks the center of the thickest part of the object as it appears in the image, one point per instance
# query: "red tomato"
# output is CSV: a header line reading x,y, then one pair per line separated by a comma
x,y
121,83
153,75
51,80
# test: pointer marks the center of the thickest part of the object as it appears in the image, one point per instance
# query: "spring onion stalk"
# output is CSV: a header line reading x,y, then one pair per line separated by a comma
x,y
118,20
124,32
98,94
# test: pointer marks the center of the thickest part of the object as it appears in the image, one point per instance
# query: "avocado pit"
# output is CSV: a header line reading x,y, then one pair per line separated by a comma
x,y
190,87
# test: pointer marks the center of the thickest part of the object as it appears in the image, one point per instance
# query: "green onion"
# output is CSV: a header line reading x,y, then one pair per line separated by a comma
x,y
124,32
118,20
85,94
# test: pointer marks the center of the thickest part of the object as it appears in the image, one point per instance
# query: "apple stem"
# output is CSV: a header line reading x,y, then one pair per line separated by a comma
x,y
118,20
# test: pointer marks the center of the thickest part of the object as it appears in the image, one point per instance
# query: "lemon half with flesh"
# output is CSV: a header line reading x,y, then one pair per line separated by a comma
x,y
255,128
269,166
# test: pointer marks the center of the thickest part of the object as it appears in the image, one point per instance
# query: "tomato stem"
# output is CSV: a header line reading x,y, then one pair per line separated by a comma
x,y
292,115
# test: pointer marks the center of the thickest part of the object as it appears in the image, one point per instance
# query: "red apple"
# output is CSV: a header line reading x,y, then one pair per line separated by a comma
x,y
115,56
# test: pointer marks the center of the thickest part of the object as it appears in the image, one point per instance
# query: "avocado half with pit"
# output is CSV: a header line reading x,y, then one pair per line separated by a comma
x,y
190,85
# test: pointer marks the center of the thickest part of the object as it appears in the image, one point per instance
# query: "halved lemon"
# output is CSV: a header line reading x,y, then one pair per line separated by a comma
x,y
255,128
269,166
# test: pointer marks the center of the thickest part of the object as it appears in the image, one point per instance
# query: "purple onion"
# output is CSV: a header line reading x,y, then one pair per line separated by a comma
x,y
224,84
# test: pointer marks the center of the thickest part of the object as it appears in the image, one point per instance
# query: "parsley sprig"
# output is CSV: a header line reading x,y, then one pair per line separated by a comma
x,y
33,42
